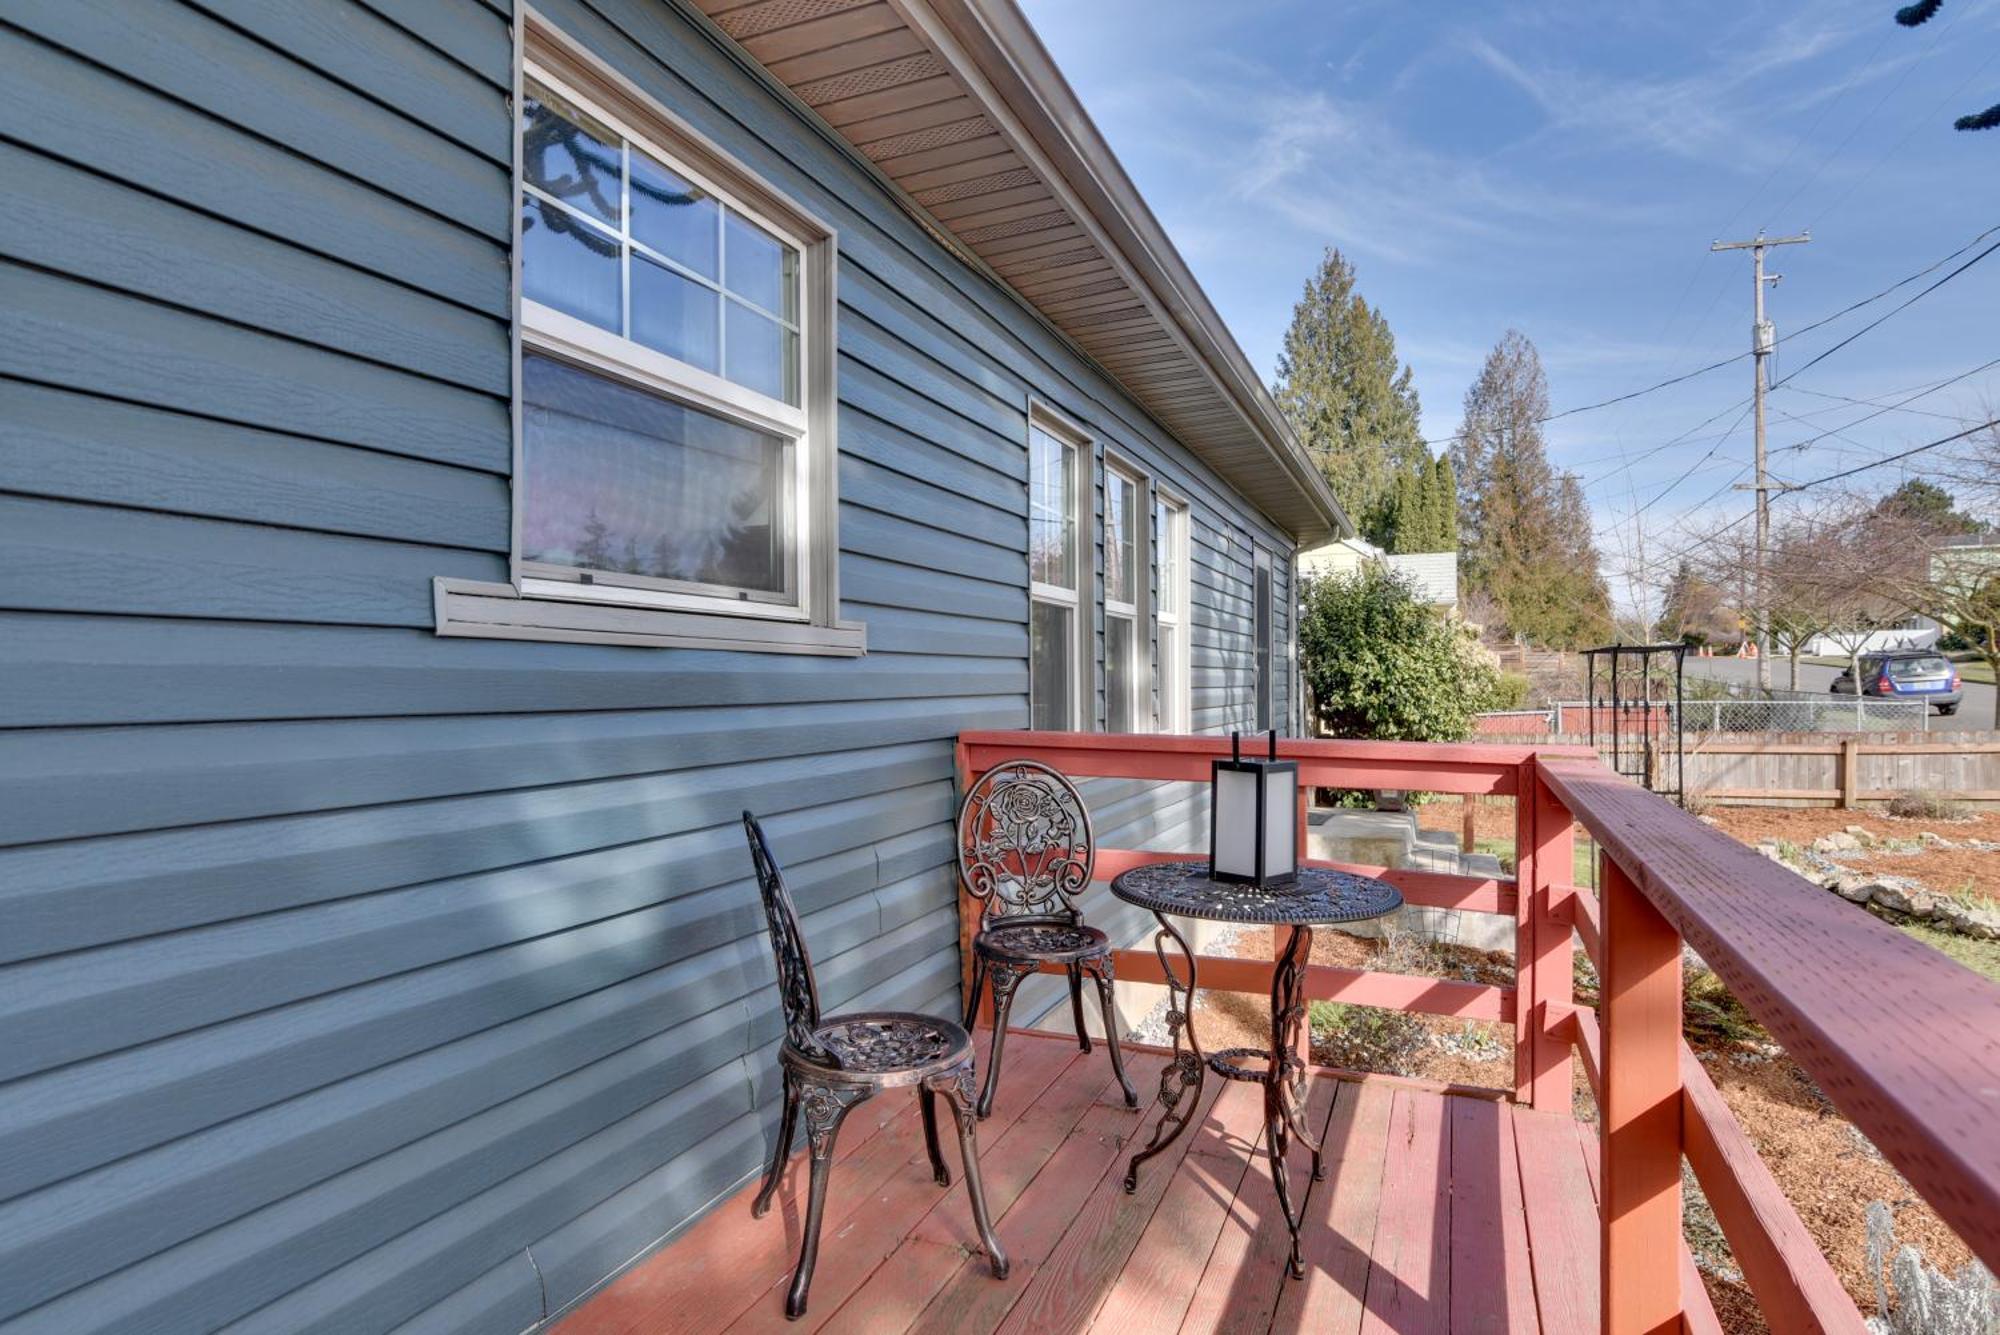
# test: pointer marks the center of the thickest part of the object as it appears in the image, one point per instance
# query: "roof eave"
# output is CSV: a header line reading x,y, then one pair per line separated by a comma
x,y
993,40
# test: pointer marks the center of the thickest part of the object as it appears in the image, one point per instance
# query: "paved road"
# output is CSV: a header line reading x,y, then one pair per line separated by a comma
x,y
1975,712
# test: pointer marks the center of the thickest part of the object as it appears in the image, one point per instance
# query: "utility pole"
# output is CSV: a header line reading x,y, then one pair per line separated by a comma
x,y
1762,341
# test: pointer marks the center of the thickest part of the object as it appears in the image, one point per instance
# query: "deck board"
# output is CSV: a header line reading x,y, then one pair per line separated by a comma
x,y
1439,1211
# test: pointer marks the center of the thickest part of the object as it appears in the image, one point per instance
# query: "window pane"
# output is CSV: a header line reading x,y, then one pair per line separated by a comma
x,y
1169,678
569,264
617,479
1050,655
1166,537
760,268
571,157
675,314
1118,674
1051,510
1120,539
1261,626
761,354
673,216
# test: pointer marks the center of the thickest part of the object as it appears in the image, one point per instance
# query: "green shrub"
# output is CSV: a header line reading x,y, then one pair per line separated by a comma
x,y
1382,663
1510,691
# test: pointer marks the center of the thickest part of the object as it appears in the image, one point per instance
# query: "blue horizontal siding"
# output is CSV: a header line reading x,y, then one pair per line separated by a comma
x,y
356,979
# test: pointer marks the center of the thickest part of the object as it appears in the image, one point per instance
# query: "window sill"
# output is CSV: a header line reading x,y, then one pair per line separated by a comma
x,y
498,612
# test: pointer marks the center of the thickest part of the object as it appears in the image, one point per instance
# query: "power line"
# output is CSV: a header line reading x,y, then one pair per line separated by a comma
x,y
1796,333
1897,457
1886,315
1892,407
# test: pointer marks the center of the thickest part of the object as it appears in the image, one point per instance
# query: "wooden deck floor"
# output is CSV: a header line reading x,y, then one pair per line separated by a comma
x,y
1439,1212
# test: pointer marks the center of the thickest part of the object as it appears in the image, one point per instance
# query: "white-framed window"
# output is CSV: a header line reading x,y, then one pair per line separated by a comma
x,y
674,472
1125,687
1171,615
1261,610
1058,573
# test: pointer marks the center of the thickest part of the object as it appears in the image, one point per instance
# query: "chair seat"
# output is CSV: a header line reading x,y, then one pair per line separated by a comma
x,y
893,1043
1041,941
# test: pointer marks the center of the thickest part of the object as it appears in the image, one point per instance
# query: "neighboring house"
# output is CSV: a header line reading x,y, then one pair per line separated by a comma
x,y
1915,632
393,631
1433,574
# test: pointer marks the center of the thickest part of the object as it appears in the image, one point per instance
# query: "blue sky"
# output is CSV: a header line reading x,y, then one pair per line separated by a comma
x,y
1562,168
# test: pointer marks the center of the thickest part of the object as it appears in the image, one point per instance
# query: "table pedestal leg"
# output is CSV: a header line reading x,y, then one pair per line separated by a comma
x,y
1285,1083
1181,1082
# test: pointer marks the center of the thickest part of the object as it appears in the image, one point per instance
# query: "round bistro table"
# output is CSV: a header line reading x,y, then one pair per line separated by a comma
x,y
1318,896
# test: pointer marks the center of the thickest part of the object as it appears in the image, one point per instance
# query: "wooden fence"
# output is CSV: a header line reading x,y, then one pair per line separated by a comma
x,y
1820,769
1843,770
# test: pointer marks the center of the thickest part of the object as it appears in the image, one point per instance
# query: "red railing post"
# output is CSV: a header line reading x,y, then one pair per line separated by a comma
x,y
1543,957
1640,1015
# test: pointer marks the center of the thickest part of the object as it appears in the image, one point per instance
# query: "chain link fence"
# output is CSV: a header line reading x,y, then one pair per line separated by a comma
x,y
1798,711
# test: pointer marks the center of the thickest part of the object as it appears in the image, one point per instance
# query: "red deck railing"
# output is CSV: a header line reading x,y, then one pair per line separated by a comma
x,y
1905,1043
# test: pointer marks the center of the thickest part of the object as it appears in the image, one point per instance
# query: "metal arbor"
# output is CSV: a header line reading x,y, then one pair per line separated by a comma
x,y
1636,713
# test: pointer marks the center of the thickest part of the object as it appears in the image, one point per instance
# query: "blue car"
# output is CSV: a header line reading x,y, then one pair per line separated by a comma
x,y
1911,674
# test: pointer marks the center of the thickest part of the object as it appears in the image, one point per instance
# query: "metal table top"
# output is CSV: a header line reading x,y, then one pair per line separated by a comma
x,y
1320,895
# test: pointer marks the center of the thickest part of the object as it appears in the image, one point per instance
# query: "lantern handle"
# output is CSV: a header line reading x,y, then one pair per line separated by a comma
x,y
1236,746
1274,743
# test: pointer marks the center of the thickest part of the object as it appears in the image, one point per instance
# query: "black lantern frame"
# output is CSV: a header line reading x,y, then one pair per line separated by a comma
x,y
1265,777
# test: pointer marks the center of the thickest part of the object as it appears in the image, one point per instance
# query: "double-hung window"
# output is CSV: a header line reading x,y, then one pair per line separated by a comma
x,y
675,448
1260,607
1170,545
1124,589
1057,576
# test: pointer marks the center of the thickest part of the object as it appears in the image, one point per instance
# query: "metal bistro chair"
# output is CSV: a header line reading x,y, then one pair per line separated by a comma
x,y
832,1063
1024,851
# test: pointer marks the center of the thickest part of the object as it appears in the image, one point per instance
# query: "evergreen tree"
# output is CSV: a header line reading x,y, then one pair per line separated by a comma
x,y
1524,529
1422,511
594,552
1352,404
1929,507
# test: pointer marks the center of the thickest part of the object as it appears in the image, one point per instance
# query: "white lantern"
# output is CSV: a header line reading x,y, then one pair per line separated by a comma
x,y
1253,818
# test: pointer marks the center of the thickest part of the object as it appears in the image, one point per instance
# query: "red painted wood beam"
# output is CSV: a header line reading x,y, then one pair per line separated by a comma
x,y
1431,889
1430,767
1588,917
1325,982
1795,1286
1843,992
1542,950
1640,1113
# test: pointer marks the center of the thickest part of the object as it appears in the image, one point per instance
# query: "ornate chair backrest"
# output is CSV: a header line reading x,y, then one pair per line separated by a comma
x,y
1024,843
797,991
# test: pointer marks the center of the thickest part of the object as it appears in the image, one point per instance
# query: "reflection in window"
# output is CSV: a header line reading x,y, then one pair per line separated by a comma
x,y
1054,692
1123,520
618,480
707,285
1051,510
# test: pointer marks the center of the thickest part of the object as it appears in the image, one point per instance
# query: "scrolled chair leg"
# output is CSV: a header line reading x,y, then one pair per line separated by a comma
x,y
972,993
1003,978
1100,972
1076,1006
956,1086
927,1102
825,1107
781,1153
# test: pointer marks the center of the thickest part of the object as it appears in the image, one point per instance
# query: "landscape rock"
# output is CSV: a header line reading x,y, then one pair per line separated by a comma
x,y
1840,841
1900,896
1862,833
1980,924
1853,887
1932,839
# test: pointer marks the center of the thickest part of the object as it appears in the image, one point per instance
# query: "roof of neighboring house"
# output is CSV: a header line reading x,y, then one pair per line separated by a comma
x,y
957,104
